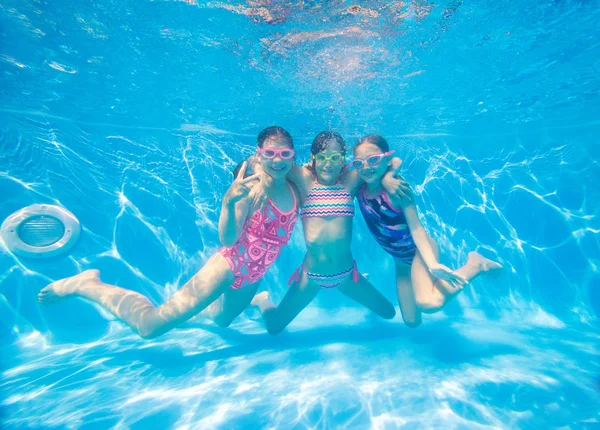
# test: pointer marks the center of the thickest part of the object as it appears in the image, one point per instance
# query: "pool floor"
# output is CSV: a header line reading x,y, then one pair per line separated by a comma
x,y
449,373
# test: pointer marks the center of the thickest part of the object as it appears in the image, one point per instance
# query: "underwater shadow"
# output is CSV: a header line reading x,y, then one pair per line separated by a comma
x,y
437,340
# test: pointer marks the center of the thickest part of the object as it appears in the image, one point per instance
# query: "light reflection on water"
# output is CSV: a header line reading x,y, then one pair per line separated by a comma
x,y
496,358
467,373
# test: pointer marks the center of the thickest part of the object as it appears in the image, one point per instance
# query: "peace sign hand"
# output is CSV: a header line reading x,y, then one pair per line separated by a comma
x,y
241,187
258,194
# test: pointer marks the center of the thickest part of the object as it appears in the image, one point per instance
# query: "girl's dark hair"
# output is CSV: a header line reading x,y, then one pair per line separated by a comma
x,y
320,143
322,139
376,140
272,132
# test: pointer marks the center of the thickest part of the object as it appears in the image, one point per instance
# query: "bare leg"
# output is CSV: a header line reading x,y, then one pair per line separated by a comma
x,y
367,295
431,293
230,305
297,297
411,314
136,310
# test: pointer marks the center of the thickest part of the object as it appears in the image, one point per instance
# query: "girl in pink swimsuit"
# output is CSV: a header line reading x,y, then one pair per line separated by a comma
x,y
252,237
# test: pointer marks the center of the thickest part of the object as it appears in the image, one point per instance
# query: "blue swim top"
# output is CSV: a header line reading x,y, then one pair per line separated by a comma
x,y
388,225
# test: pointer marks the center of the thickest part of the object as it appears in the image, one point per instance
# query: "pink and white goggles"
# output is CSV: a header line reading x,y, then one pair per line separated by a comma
x,y
269,153
371,160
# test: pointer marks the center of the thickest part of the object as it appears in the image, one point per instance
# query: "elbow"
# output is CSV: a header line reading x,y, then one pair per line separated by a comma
x,y
226,241
223,239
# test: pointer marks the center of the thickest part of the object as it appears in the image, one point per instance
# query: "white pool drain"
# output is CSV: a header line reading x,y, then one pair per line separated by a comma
x,y
40,231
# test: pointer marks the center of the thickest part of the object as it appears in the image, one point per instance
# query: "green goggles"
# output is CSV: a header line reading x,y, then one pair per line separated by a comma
x,y
334,157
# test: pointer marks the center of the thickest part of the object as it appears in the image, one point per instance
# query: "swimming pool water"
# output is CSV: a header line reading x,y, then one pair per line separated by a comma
x,y
132,115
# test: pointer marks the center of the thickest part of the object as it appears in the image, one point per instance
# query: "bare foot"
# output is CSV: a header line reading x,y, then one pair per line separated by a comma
x,y
66,287
260,298
483,264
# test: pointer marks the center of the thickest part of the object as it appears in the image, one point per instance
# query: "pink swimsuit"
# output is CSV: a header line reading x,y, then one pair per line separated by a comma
x,y
259,244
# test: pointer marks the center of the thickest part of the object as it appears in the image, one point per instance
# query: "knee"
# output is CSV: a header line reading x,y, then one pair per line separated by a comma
x,y
152,329
412,323
274,331
388,313
149,333
273,325
430,304
223,322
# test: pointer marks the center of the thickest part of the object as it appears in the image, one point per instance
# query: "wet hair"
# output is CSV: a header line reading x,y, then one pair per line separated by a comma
x,y
376,140
322,139
274,131
320,143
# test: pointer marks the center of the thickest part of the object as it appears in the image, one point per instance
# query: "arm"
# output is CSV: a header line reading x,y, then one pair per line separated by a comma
x,y
393,182
418,233
351,181
299,175
232,218
235,207
258,195
421,239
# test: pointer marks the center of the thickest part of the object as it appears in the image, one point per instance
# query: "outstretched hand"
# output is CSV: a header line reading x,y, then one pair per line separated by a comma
x,y
446,274
241,187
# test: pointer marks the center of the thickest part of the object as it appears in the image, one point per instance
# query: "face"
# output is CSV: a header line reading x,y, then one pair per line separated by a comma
x,y
276,167
328,170
370,173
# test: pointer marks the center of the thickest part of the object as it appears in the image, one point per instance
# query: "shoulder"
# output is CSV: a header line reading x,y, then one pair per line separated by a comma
x,y
301,176
351,181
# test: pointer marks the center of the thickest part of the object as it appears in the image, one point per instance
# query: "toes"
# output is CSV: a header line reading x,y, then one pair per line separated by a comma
x,y
45,297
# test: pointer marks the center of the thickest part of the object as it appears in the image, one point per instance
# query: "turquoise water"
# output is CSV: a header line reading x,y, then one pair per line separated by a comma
x,y
132,115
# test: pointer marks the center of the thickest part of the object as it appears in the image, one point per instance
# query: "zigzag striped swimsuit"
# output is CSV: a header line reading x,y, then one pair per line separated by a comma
x,y
327,201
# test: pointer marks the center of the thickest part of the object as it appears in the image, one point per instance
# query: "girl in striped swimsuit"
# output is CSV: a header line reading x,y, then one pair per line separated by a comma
x,y
252,237
327,210
422,283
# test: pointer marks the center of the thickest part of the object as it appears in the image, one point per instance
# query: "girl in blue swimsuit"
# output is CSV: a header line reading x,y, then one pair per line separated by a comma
x,y
422,283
